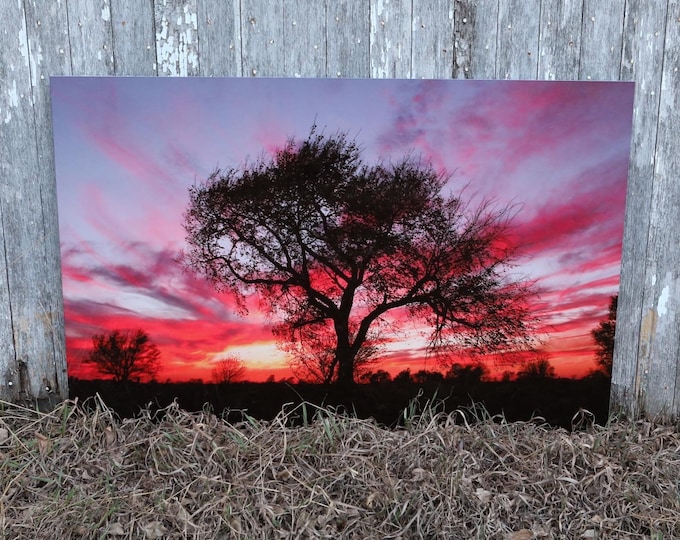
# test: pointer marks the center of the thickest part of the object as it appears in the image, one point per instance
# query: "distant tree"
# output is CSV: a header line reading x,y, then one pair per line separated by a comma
x,y
466,374
536,369
228,370
331,243
125,355
403,376
426,376
603,335
375,377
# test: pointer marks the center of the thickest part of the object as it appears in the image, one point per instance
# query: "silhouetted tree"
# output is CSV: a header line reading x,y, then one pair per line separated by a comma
x,y
466,374
403,376
603,335
330,242
125,356
426,376
228,370
375,377
311,350
536,369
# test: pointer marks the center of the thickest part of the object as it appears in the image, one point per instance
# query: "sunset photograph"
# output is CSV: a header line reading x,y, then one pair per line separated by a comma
x,y
325,230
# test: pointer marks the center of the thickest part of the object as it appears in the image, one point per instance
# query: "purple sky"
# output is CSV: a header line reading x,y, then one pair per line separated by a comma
x,y
127,149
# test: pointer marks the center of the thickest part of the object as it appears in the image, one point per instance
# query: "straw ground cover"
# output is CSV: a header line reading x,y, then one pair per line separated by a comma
x,y
80,472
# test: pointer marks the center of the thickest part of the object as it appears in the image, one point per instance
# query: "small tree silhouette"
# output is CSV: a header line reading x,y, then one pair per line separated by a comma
x,y
536,369
467,374
125,355
603,335
228,370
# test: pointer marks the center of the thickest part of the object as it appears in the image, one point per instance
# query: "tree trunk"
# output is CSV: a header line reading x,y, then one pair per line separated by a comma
x,y
343,354
345,367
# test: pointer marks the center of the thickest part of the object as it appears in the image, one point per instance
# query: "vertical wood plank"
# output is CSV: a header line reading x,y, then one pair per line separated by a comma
x,y
601,40
390,38
37,47
134,40
91,37
518,33
219,31
656,375
347,39
668,205
50,54
14,124
432,37
560,42
176,23
639,373
475,41
262,35
304,38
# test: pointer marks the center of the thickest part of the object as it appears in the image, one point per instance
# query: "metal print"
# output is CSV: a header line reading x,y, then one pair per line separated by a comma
x,y
232,237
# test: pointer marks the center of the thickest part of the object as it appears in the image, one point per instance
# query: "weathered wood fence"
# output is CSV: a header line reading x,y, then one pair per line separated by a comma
x,y
631,40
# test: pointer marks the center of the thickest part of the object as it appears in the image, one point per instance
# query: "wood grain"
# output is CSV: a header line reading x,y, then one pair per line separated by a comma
x,y
32,366
304,38
176,23
262,35
518,33
390,39
631,40
475,39
347,39
640,373
219,31
134,42
432,50
601,40
560,39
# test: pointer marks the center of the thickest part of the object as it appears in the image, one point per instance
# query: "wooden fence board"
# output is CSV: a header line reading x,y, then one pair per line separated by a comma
x,y
432,35
176,23
659,340
633,372
134,43
519,39
90,36
601,40
262,35
304,38
219,34
560,39
347,39
390,39
518,33
475,39
31,50
50,52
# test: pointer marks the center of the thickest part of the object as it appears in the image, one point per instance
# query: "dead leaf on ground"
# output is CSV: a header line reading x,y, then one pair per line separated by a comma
x,y
116,529
43,442
154,530
522,534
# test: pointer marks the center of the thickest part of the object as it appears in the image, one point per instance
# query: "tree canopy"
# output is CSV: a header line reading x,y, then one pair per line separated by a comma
x,y
332,246
125,356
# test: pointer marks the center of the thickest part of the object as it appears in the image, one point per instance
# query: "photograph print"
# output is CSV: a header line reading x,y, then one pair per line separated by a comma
x,y
232,233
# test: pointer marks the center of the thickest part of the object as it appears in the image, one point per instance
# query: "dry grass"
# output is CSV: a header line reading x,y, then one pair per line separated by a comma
x,y
82,473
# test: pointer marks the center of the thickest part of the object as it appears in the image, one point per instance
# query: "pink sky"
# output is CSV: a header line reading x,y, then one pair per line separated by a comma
x,y
127,149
